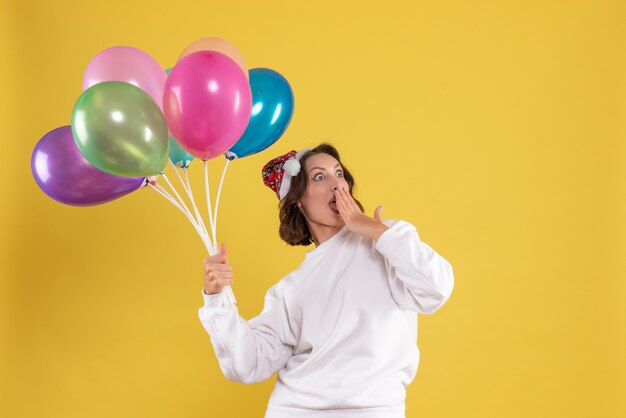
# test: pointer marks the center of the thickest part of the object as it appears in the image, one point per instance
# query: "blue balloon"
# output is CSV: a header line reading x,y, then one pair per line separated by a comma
x,y
272,109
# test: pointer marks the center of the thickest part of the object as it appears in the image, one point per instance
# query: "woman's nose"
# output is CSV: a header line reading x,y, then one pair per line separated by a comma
x,y
336,182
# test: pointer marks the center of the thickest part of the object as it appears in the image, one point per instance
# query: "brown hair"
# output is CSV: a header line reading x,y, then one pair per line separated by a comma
x,y
294,229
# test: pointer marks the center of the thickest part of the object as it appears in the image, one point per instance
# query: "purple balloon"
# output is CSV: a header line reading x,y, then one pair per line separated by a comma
x,y
65,175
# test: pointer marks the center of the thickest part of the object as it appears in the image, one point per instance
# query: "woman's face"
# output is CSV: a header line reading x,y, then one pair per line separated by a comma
x,y
324,174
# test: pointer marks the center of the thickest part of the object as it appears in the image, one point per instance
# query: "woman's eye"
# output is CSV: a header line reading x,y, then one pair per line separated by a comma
x,y
320,174
340,172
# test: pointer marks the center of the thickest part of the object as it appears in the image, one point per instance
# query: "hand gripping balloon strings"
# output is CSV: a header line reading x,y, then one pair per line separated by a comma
x,y
197,222
199,229
212,221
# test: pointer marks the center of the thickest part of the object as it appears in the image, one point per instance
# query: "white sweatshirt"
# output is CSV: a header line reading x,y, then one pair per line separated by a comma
x,y
341,329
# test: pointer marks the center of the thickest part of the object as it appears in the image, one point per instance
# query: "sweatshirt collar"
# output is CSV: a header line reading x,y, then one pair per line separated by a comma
x,y
330,242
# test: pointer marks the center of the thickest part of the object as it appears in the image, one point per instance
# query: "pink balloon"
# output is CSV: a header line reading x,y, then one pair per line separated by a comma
x,y
128,64
207,103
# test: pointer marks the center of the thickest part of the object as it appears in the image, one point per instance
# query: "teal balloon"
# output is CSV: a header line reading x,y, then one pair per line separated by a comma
x,y
168,71
178,155
272,110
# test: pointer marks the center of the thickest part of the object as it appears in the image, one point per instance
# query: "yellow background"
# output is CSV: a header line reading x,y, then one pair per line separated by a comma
x,y
496,127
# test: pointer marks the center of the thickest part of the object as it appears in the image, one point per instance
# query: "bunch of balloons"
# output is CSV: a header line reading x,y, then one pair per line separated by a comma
x,y
133,116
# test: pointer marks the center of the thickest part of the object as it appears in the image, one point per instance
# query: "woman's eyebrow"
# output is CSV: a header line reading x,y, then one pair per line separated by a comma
x,y
321,168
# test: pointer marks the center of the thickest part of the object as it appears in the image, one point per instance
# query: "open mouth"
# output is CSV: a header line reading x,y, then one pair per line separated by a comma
x,y
333,206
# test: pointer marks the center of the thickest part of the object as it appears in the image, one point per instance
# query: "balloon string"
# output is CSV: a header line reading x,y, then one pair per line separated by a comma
x,y
219,191
208,202
164,193
182,207
165,196
193,202
227,289
180,200
189,192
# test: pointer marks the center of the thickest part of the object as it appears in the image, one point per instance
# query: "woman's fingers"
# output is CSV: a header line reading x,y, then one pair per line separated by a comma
x,y
339,201
377,213
215,281
217,258
217,272
212,275
221,279
345,201
217,267
350,201
216,286
224,282
343,211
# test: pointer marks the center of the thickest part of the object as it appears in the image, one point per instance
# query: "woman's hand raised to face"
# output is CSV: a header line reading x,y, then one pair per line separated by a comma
x,y
355,220
217,272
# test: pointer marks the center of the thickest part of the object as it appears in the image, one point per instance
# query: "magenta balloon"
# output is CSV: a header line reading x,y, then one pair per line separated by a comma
x,y
65,175
207,103
128,64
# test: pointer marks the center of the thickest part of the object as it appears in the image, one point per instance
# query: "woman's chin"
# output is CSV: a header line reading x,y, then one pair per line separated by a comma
x,y
335,219
330,218
338,220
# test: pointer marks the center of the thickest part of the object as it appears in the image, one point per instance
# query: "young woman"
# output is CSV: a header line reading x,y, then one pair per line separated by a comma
x,y
341,329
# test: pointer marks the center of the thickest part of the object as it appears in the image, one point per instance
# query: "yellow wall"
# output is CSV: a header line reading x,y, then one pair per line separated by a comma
x,y
496,127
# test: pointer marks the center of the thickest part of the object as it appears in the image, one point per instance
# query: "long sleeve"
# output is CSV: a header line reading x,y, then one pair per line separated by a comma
x,y
420,279
248,351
